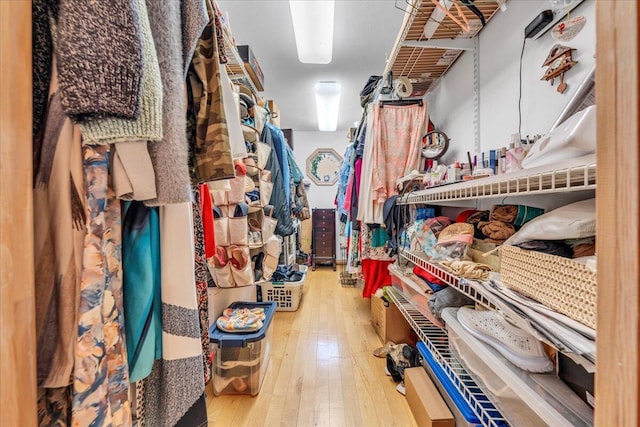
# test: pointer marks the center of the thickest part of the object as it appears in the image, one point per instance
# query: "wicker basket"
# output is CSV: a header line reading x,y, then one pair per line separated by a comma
x,y
559,283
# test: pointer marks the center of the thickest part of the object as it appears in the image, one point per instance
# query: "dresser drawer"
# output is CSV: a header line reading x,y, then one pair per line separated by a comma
x,y
322,228
325,225
323,253
323,243
327,236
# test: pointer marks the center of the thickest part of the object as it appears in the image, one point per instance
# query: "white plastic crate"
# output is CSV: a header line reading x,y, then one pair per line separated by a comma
x,y
287,295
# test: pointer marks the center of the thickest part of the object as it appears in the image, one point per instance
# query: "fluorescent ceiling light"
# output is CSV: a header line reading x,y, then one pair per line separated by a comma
x,y
313,29
327,104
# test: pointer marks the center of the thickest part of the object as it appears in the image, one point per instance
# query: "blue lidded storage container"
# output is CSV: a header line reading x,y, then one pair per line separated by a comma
x,y
240,360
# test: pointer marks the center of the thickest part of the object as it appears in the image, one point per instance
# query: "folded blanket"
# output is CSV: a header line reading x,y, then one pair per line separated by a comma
x,y
504,213
496,230
468,269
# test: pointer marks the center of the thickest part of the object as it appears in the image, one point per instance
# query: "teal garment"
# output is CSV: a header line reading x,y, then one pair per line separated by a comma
x,y
141,282
379,237
296,173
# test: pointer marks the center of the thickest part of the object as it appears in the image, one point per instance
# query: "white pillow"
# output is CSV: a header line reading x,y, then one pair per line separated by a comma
x,y
574,221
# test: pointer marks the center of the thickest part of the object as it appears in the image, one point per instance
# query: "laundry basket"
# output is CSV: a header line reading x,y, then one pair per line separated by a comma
x,y
287,295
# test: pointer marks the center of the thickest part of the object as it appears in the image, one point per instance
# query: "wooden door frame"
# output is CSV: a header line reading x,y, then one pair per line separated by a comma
x,y
618,213
618,245
17,289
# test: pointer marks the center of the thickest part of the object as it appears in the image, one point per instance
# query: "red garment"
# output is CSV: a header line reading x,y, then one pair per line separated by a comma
x,y
206,207
424,274
376,275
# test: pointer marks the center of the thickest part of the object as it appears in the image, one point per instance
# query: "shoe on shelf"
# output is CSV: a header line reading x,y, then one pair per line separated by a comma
x,y
220,268
516,345
241,268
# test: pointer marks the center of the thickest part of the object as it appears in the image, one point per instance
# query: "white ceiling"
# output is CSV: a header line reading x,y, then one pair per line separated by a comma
x,y
363,38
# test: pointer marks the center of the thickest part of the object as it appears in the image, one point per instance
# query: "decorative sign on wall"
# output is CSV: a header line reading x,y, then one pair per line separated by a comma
x,y
323,166
558,62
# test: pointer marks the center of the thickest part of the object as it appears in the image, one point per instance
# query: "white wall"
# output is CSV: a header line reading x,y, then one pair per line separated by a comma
x,y
305,143
451,102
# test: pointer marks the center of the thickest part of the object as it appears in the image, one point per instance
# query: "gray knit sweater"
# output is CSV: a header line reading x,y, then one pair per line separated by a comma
x,y
100,60
148,125
170,157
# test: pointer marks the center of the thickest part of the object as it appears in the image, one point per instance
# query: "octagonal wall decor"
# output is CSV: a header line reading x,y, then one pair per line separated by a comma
x,y
323,166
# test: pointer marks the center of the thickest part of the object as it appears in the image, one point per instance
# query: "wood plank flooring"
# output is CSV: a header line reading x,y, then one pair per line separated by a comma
x,y
322,370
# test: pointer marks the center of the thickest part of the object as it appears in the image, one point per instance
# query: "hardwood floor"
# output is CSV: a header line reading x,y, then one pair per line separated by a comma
x,y
322,370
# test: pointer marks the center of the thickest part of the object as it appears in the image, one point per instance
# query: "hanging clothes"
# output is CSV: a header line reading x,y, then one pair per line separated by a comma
x,y
279,144
175,27
141,285
231,102
365,199
200,267
42,12
54,406
100,59
222,55
101,373
212,151
59,232
346,172
206,213
397,137
132,170
282,207
174,392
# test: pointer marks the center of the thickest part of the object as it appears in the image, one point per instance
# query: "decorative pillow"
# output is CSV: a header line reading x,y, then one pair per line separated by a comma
x,y
573,221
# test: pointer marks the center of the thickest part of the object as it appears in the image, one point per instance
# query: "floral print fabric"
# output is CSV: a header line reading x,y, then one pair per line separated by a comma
x,y
101,374
202,277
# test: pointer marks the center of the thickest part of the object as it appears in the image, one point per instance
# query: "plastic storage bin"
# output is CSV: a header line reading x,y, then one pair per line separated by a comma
x,y
525,399
240,360
287,295
418,293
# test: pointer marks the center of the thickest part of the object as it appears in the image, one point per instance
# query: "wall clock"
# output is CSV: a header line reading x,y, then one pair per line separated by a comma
x,y
323,166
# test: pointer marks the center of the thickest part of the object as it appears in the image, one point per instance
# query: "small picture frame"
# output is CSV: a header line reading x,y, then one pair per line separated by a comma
x,y
323,166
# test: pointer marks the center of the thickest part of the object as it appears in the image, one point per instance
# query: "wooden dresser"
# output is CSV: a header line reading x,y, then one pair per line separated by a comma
x,y
323,238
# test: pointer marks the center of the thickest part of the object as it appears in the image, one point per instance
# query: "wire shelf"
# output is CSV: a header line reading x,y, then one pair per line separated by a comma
x,y
235,65
573,175
464,286
437,342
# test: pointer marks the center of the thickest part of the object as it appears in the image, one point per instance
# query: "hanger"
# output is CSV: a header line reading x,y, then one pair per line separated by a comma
x,y
400,102
464,24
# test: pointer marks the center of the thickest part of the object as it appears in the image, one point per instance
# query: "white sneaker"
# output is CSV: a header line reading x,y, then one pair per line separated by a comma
x,y
518,346
401,389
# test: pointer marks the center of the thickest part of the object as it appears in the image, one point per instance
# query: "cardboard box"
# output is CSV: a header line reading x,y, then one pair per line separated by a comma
x,y
427,406
252,66
388,322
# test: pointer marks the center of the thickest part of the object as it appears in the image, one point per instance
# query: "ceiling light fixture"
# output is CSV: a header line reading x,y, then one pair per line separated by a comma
x,y
327,104
313,29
